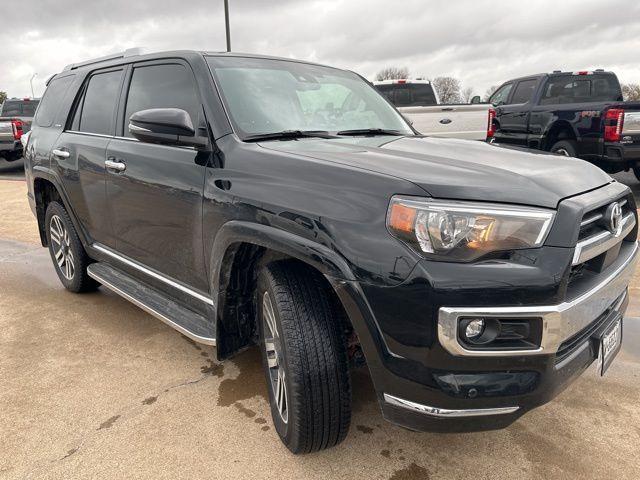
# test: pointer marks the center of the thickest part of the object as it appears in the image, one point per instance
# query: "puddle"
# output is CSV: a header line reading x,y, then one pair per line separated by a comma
x,y
249,383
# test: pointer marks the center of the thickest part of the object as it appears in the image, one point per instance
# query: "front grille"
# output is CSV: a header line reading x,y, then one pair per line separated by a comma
x,y
593,222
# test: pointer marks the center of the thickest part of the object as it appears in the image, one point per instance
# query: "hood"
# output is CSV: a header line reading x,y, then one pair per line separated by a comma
x,y
459,169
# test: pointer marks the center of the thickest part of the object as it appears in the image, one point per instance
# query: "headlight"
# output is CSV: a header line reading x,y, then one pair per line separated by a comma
x,y
464,231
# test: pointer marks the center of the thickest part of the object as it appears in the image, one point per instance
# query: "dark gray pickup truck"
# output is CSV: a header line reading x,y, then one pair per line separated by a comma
x,y
15,121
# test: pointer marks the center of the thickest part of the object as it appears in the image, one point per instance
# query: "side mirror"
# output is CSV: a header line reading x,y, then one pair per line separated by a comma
x,y
168,126
475,99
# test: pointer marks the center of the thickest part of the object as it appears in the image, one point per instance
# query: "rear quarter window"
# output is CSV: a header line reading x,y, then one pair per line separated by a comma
x,y
52,100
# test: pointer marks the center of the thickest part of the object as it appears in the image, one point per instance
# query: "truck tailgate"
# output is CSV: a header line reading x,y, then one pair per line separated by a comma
x,y
6,131
457,121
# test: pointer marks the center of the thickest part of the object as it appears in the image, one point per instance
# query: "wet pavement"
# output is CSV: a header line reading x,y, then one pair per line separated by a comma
x,y
93,387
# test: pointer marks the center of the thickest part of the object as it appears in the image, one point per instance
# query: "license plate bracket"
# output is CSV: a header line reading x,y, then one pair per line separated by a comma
x,y
610,344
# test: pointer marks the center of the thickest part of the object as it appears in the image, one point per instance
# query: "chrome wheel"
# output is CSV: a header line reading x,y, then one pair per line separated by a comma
x,y
273,348
562,151
61,247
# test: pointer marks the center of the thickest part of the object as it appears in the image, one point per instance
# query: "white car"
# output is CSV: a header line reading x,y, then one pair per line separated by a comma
x,y
418,101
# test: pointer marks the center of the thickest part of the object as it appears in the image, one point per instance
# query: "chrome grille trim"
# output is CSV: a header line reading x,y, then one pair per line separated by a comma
x,y
593,246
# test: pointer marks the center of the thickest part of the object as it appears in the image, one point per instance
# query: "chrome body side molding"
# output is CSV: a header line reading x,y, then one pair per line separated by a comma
x,y
152,273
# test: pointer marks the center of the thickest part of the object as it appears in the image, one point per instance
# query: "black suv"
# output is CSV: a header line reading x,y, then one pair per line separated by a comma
x,y
252,200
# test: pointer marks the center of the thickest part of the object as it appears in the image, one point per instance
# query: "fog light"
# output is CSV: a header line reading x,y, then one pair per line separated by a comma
x,y
474,328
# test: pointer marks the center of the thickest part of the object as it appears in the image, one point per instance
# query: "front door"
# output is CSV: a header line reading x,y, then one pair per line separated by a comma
x,y
155,191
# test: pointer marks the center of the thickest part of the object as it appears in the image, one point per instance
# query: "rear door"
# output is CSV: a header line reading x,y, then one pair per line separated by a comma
x,y
513,115
155,193
79,152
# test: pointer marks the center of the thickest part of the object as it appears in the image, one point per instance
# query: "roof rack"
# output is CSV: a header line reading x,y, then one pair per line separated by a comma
x,y
130,52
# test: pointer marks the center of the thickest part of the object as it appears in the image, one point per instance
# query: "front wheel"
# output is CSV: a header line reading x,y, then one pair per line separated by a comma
x,y
304,358
568,148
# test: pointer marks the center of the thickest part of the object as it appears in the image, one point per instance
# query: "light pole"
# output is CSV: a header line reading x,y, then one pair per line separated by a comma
x,y
226,23
31,82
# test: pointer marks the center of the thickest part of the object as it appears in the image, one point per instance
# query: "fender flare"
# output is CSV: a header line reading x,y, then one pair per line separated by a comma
x,y
44,173
561,124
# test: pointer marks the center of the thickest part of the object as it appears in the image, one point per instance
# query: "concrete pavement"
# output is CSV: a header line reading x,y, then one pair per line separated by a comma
x,y
93,387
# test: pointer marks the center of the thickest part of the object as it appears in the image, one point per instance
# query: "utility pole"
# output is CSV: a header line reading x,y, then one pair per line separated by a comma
x,y
31,82
226,22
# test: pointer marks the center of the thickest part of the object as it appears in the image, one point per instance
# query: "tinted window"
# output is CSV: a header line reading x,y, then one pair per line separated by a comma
x,y
409,94
98,106
581,89
18,108
52,100
501,95
162,86
524,91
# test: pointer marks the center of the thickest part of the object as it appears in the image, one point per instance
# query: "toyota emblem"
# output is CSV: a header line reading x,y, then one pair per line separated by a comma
x,y
613,219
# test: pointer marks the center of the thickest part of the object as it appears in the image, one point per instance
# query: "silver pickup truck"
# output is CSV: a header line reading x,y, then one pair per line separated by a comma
x,y
16,116
418,101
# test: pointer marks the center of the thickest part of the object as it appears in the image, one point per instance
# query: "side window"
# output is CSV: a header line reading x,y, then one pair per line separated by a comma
x,y
501,95
162,86
566,90
52,100
95,113
524,91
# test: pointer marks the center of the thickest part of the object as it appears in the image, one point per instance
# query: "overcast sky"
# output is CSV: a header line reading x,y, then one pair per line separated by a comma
x,y
481,42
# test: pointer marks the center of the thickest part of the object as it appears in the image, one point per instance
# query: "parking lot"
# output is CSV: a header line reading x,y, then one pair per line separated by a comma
x,y
94,387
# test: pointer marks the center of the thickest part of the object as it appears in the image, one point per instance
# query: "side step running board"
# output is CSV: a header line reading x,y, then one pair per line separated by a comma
x,y
187,322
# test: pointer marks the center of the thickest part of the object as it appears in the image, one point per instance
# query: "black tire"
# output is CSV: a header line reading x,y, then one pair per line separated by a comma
x,y
75,259
313,357
636,172
568,148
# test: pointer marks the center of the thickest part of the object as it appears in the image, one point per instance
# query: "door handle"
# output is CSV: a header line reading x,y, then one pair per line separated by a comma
x,y
113,164
60,153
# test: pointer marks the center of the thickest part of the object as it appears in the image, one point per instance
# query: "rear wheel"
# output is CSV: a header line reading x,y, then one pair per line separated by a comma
x,y
568,148
304,358
69,257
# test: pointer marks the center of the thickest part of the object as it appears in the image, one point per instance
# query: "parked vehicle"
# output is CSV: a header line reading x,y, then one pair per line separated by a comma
x,y
15,121
253,200
418,101
577,114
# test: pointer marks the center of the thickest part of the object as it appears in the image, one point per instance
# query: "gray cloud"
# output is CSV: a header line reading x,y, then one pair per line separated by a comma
x,y
481,42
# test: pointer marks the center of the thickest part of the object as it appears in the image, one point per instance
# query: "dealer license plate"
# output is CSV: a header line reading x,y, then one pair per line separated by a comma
x,y
610,344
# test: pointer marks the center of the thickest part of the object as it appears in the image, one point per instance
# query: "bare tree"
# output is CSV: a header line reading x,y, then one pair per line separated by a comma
x,y
448,89
467,94
490,91
3,96
392,73
631,92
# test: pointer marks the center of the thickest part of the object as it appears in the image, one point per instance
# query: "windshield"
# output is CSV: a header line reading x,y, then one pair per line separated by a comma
x,y
19,108
268,96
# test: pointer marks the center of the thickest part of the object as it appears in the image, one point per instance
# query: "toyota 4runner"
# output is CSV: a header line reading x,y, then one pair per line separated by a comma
x,y
252,200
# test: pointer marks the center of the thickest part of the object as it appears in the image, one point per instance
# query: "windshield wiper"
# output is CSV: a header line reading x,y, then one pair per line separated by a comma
x,y
289,134
371,131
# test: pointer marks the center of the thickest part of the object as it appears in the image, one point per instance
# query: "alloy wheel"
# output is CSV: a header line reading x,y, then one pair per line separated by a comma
x,y
61,246
273,348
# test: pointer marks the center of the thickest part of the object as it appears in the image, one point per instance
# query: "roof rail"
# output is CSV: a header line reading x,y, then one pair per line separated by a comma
x,y
130,52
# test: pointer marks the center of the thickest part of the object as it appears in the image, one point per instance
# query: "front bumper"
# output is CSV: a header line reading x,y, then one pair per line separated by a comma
x,y
559,322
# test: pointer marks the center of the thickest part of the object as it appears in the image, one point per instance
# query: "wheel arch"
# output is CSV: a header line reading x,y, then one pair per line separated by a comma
x,y
47,188
239,251
559,130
